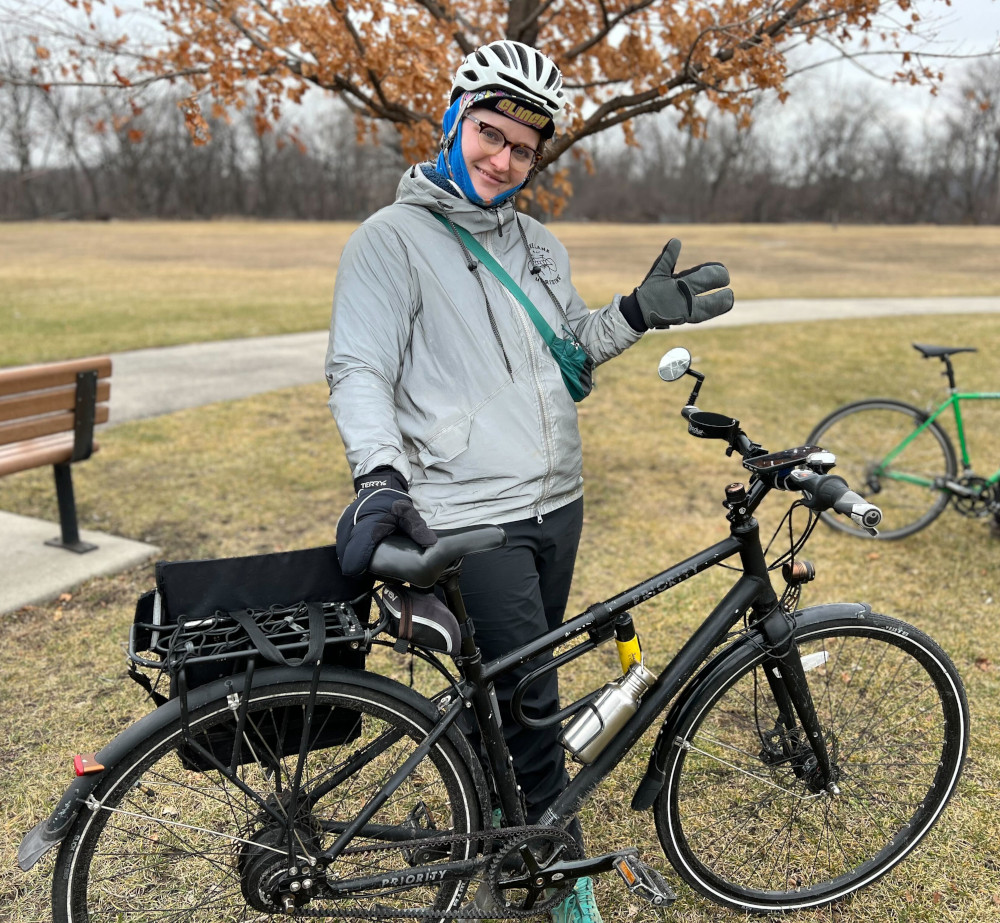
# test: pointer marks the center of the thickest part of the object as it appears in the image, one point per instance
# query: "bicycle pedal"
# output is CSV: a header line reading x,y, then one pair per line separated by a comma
x,y
644,881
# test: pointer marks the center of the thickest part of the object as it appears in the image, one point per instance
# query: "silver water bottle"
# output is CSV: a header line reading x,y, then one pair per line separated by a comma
x,y
595,724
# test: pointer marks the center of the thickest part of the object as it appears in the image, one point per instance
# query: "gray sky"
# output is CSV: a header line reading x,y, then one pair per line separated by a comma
x,y
968,27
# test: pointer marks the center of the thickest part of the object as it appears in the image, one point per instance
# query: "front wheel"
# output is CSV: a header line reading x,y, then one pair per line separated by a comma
x,y
740,816
166,838
887,458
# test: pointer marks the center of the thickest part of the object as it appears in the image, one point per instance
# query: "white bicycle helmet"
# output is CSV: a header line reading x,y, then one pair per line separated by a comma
x,y
515,68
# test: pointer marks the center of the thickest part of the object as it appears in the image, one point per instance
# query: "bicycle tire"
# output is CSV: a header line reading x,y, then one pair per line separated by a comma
x,y
861,435
170,843
743,829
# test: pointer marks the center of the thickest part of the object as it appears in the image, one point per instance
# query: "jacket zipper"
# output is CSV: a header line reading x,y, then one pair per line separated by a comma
x,y
473,266
530,333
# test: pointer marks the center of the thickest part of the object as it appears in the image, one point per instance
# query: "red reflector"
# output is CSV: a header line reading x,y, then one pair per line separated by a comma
x,y
86,763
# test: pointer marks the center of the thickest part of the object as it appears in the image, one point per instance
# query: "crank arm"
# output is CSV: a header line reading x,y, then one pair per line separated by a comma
x,y
560,872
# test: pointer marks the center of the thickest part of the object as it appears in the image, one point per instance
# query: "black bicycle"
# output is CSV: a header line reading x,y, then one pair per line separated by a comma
x,y
802,752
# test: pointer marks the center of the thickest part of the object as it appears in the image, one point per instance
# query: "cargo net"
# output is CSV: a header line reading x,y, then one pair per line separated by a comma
x,y
225,642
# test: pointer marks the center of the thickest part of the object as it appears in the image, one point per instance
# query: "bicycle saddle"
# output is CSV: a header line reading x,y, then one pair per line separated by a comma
x,y
929,352
399,558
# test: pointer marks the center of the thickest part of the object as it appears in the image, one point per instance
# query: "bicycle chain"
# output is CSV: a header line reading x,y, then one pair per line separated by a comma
x,y
510,836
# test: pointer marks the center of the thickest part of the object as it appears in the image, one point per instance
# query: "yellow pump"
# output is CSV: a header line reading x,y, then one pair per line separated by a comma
x,y
629,649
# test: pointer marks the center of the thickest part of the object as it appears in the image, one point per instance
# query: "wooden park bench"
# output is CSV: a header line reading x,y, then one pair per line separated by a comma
x,y
47,417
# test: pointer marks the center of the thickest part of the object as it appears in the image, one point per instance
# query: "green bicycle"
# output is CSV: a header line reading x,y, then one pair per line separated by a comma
x,y
902,454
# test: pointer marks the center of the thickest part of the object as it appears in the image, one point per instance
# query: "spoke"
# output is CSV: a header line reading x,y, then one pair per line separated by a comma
x,y
809,796
160,821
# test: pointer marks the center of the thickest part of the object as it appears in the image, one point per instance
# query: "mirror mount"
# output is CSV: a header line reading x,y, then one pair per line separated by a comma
x,y
693,398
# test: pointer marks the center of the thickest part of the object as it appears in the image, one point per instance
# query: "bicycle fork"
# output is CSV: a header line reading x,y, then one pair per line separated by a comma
x,y
801,742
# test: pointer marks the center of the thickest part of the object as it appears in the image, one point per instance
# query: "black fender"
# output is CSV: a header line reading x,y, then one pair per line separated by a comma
x,y
720,664
51,831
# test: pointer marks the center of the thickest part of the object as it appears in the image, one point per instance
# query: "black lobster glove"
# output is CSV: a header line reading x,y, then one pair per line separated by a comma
x,y
666,298
382,507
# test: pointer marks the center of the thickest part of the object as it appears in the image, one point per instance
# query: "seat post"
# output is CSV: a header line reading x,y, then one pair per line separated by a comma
x,y
950,372
455,602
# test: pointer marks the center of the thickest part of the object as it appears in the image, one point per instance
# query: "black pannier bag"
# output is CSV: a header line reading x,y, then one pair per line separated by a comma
x,y
207,618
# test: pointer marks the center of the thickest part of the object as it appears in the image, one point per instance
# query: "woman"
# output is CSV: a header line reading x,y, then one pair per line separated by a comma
x,y
451,404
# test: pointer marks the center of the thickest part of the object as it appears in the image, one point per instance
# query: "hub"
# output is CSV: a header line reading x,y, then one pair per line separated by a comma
x,y
781,748
269,881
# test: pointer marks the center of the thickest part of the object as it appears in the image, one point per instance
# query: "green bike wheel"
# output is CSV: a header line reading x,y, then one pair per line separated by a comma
x,y
904,485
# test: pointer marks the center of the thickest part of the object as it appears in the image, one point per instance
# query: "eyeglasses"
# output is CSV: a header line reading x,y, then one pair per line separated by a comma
x,y
492,141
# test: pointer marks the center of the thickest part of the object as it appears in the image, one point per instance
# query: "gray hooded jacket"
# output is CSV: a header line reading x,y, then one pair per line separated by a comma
x,y
418,365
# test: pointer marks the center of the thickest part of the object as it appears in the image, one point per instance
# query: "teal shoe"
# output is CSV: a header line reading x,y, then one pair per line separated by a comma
x,y
579,907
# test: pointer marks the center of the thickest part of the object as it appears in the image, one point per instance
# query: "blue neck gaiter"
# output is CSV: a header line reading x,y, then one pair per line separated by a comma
x,y
451,163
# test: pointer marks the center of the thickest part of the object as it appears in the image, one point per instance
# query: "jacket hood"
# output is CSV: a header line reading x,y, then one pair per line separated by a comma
x,y
422,185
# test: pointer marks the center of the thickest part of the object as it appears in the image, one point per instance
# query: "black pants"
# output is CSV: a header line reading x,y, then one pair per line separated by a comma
x,y
513,595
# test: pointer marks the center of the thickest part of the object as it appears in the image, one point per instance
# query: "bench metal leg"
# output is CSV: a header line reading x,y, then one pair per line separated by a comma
x,y
70,538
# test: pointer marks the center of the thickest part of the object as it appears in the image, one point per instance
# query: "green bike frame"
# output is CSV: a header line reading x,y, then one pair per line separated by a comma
x,y
954,401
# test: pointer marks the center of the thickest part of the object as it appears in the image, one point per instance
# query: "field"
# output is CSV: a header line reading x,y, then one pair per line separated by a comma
x,y
267,473
78,289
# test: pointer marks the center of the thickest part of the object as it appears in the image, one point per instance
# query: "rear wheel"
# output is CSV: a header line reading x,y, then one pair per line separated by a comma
x,y
168,839
741,816
863,436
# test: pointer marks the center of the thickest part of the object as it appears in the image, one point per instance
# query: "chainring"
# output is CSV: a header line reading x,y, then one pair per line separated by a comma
x,y
514,879
985,501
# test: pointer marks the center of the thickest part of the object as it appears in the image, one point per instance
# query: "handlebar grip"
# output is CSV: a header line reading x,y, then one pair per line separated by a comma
x,y
829,491
865,514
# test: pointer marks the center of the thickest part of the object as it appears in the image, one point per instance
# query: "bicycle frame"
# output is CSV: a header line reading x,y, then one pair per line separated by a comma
x,y
954,402
752,595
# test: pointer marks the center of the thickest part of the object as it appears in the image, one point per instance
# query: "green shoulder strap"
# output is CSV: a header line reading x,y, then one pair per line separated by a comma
x,y
483,255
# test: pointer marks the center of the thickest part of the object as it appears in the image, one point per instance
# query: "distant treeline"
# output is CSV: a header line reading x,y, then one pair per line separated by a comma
x,y
851,160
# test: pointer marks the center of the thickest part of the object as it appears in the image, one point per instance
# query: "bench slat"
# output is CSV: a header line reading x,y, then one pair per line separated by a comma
x,y
36,403
36,453
50,375
46,425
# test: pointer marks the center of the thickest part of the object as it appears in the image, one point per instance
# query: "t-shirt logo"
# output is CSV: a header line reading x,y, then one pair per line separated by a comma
x,y
542,258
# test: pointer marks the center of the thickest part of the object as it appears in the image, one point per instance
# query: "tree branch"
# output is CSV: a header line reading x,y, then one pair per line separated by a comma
x,y
602,33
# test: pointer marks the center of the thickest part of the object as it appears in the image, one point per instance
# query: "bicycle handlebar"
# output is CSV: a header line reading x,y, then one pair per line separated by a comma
x,y
823,491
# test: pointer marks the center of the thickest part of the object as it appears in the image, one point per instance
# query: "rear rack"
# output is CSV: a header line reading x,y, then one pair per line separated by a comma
x,y
220,637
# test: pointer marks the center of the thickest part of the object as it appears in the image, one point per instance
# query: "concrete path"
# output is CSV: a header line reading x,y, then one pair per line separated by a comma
x,y
34,572
150,382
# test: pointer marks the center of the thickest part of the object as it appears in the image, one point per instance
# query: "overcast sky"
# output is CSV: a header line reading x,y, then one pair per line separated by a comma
x,y
968,27
973,22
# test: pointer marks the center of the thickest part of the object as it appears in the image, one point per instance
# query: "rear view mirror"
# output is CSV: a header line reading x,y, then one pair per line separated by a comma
x,y
675,364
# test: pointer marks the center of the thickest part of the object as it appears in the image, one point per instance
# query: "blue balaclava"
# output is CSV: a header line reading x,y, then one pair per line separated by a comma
x,y
451,162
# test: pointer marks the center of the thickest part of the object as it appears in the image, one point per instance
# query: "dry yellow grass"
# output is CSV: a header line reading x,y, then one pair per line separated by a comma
x,y
795,260
70,289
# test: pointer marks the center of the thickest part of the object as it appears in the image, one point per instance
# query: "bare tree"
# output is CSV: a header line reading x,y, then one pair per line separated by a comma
x,y
972,145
